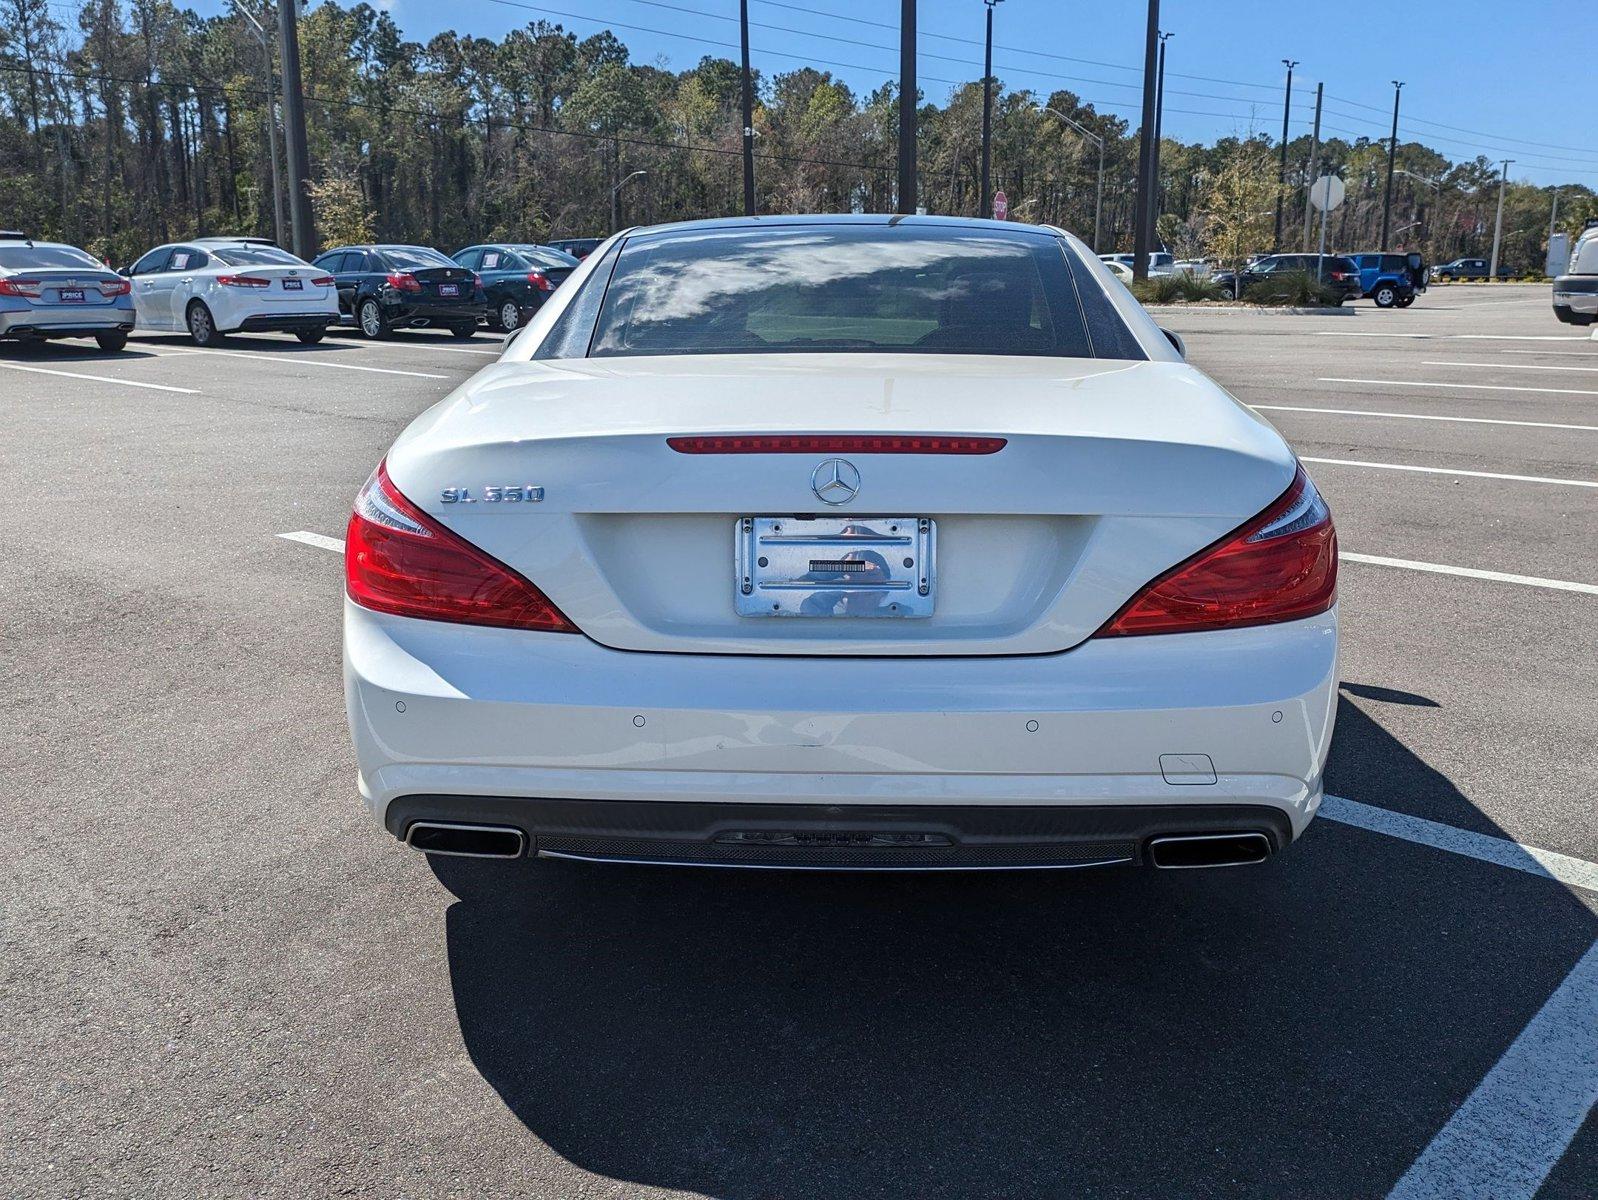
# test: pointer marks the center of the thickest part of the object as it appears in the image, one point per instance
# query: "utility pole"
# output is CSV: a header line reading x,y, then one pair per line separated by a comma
x,y
985,208
749,113
1392,155
279,222
1159,121
1314,166
1281,174
908,95
294,130
1498,221
1098,193
1142,206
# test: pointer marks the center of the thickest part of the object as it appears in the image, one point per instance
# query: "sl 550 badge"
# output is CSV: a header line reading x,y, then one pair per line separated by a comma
x,y
507,493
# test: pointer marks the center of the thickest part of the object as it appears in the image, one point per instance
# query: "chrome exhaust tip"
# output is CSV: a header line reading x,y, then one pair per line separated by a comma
x,y
466,841
1184,851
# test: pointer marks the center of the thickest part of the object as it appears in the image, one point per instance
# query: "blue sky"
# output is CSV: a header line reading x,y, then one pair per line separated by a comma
x,y
1481,76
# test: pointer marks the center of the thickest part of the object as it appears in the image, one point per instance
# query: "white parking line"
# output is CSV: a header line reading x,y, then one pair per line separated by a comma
x,y
1565,869
1459,337
154,387
320,540
1363,412
1589,355
1475,387
1508,1135
298,360
1558,585
1507,366
1352,462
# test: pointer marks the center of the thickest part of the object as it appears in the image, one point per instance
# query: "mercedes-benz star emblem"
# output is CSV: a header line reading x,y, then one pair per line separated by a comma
x,y
835,481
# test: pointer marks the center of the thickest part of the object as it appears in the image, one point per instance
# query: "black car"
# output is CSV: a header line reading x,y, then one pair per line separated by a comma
x,y
578,248
384,288
516,278
1335,271
1461,268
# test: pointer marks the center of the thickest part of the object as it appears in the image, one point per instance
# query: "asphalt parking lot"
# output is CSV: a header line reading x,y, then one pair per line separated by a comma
x,y
221,978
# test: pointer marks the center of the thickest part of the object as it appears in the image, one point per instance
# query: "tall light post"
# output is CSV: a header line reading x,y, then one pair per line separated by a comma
x,y
1281,174
908,96
270,123
1498,221
1392,154
1437,186
1314,165
1098,193
299,156
1159,120
986,206
1145,172
749,113
615,199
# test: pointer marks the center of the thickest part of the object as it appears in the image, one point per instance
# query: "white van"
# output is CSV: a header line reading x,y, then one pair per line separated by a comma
x,y
1576,291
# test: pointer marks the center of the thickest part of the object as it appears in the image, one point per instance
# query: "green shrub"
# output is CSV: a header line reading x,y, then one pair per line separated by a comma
x,y
1180,288
1291,289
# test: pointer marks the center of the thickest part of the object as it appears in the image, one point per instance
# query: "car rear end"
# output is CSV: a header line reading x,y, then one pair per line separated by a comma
x,y
423,288
52,291
604,606
1576,291
1343,276
263,289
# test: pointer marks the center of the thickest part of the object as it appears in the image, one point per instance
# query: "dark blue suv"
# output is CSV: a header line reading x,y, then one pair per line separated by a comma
x,y
1392,280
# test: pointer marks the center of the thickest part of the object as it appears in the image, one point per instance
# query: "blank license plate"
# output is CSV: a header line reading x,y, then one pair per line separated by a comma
x,y
293,285
449,289
835,567
71,295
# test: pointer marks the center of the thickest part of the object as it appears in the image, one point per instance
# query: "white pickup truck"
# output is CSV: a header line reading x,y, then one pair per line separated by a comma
x,y
1576,291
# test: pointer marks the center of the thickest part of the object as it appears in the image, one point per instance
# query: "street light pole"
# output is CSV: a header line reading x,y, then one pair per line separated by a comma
x,y
1392,154
908,95
1098,193
615,199
1498,221
1145,174
1281,174
985,208
294,131
1159,120
1314,166
270,123
749,114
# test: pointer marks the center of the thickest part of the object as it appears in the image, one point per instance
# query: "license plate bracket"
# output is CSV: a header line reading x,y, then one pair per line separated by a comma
x,y
449,289
293,285
71,295
835,566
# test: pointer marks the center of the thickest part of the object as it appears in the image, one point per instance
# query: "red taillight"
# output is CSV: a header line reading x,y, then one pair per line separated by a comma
x,y
403,281
323,281
399,560
805,443
115,287
477,281
540,281
21,287
1280,566
243,281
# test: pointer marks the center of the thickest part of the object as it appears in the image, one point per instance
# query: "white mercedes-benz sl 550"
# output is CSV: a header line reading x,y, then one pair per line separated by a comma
x,y
842,542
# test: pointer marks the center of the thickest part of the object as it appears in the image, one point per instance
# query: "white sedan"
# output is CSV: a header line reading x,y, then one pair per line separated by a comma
x,y
211,287
842,542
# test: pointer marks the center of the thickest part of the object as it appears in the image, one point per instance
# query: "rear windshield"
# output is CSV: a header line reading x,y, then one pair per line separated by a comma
x,y
832,289
546,256
44,257
416,256
257,256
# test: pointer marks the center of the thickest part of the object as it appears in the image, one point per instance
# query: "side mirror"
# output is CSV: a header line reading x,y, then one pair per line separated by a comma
x,y
1176,340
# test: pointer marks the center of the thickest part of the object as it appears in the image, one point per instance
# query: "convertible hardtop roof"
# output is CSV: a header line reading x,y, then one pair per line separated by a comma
x,y
241,240
883,220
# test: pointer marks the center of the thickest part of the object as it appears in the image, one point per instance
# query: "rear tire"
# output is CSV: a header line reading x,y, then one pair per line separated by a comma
x,y
202,325
311,336
111,342
370,321
462,332
508,316
1385,296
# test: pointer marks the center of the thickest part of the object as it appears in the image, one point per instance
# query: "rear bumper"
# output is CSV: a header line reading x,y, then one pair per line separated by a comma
x,y
435,314
72,322
501,722
286,322
1576,299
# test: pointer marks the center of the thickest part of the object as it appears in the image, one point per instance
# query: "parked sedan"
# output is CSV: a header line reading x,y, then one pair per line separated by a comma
x,y
49,290
842,542
1335,271
212,287
384,288
516,278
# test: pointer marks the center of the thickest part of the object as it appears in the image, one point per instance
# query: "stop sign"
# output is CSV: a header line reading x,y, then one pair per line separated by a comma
x,y
1001,206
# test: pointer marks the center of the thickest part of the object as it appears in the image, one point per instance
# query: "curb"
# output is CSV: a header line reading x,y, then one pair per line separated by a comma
x,y
1267,309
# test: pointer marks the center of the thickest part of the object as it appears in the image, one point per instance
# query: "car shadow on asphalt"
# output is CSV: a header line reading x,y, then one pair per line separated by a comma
x,y
1300,1028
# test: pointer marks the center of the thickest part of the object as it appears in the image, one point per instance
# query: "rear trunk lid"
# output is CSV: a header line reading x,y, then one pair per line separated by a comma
x,y
69,287
292,285
446,284
1111,473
